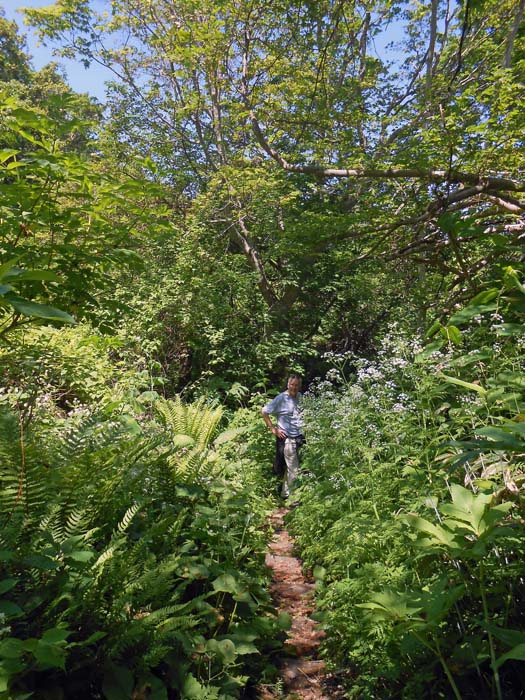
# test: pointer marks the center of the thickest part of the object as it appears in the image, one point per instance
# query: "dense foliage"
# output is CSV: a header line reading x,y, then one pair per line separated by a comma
x,y
421,579
117,579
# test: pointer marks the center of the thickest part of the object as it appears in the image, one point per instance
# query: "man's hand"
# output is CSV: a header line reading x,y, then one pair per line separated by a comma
x,y
279,432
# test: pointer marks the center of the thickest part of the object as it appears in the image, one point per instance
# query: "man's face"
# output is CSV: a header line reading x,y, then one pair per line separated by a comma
x,y
294,385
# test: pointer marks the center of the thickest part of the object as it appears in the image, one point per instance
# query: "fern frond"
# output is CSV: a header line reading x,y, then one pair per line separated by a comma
x,y
192,427
128,517
106,555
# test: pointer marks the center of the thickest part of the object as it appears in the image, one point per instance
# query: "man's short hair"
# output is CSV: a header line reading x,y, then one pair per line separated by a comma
x,y
295,376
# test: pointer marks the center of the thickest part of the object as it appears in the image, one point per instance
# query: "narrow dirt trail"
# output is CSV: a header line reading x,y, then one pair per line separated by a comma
x,y
301,672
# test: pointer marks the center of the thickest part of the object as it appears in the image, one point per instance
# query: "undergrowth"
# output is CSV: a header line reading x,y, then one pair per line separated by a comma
x,y
132,543
412,508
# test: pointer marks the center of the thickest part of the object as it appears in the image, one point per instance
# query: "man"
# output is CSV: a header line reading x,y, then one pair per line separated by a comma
x,y
288,431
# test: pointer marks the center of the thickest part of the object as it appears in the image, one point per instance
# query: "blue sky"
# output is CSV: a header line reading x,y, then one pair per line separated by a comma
x,y
81,79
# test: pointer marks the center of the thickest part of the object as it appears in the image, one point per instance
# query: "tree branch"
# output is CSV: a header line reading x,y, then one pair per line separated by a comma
x,y
483,182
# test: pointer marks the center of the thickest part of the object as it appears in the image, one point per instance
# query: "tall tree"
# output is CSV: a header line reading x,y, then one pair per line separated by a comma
x,y
355,155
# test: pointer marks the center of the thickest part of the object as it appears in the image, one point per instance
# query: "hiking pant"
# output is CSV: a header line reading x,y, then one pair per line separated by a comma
x,y
288,452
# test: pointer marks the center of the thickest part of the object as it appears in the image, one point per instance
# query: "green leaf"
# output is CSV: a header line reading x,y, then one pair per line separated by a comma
x,y
466,314
50,655
81,555
502,438
517,653
7,583
284,621
191,689
226,583
10,609
40,562
17,275
11,648
5,267
510,329
484,297
157,689
319,573
31,308
55,635
429,350
452,334
117,683
6,153
466,385
507,636
434,328
467,508
437,535
181,440
391,606
224,648
229,435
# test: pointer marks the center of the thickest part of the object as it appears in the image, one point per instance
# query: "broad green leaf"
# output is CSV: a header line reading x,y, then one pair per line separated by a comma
x,y
429,350
434,328
50,655
11,648
40,562
438,598
224,648
467,508
508,636
5,267
157,689
467,313
511,277
55,635
10,609
391,606
7,583
6,153
517,654
226,583
438,536
484,297
191,689
117,683
229,435
319,573
18,275
502,438
510,329
284,621
466,385
181,440
31,308
452,334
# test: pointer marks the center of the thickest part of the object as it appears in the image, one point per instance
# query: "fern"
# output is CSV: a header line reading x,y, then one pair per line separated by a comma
x,y
192,428
128,517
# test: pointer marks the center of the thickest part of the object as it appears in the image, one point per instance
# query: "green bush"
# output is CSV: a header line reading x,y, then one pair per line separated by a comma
x,y
412,508
117,577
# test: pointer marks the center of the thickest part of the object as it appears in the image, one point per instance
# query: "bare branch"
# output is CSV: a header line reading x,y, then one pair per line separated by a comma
x,y
518,18
483,182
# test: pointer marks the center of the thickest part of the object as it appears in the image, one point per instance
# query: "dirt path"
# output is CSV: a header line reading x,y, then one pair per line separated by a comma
x,y
302,673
